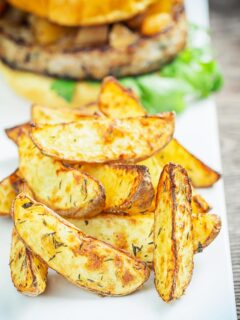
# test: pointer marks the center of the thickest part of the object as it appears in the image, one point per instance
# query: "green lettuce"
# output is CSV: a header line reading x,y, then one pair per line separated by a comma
x,y
193,74
64,88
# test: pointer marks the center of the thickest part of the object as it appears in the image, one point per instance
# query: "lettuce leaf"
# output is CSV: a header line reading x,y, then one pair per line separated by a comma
x,y
64,88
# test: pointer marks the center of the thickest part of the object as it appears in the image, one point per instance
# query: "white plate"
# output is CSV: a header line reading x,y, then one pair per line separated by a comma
x,y
210,294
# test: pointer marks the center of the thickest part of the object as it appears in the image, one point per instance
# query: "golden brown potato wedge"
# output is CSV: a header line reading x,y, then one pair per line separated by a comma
x,y
66,190
28,272
206,227
173,237
135,233
103,140
8,193
199,204
128,106
14,132
44,115
81,259
131,233
128,188
200,174
117,102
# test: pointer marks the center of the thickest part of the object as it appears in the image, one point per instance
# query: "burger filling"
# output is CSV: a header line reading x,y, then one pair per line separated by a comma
x,y
135,46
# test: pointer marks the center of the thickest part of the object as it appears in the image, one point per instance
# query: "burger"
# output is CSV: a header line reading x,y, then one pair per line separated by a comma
x,y
56,52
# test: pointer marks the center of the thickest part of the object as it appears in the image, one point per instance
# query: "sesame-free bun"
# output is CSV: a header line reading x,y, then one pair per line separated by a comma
x,y
37,89
83,12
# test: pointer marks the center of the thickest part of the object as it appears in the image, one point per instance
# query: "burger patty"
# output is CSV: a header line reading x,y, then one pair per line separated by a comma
x,y
65,59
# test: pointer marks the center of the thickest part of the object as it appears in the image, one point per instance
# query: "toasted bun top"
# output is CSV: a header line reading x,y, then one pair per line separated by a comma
x,y
83,12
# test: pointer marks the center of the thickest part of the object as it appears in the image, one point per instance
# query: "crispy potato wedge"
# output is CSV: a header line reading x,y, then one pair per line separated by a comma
x,y
206,227
115,101
8,193
199,204
135,233
128,106
14,132
44,115
81,259
200,174
103,140
173,238
28,272
128,188
66,190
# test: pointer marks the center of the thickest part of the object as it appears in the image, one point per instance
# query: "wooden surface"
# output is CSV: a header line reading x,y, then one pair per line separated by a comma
x,y
226,42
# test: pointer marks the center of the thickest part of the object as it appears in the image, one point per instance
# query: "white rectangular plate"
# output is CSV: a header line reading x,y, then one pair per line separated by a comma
x,y
210,294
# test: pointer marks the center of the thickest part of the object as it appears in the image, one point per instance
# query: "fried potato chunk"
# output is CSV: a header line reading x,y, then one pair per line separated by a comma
x,y
173,238
44,115
206,227
135,233
199,204
200,174
103,140
81,259
7,193
68,191
117,102
128,188
14,132
28,272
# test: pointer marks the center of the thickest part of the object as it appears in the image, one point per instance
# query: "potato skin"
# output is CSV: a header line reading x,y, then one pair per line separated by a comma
x,y
173,238
66,190
104,140
28,272
81,259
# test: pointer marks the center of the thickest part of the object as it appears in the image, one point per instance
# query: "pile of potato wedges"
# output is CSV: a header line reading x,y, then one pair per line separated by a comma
x,y
102,195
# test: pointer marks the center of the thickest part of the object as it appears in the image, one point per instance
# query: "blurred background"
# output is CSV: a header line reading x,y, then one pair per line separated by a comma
x,y
225,29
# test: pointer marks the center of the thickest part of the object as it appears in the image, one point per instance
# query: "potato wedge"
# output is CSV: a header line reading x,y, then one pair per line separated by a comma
x,y
135,233
199,204
7,193
14,132
115,100
200,174
128,188
131,233
66,190
28,272
126,106
81,259
173,238
44,115
206,227
103,140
